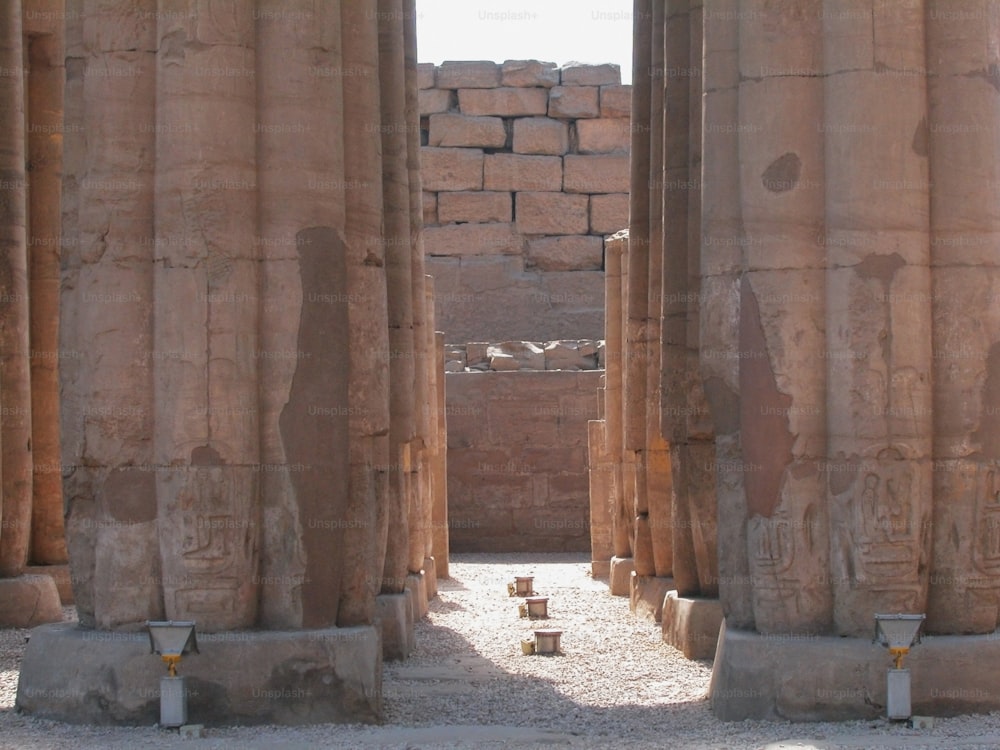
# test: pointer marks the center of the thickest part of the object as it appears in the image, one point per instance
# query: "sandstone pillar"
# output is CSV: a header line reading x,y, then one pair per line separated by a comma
x,y
245,325
964,588
634,392
403,349
25,600
878,325
781,299
861,272
46,73
369,383
614,312
205,371
15,376
659,493
440,462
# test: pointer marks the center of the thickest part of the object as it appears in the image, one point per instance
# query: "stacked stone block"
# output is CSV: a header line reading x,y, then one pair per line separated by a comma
x,y
525,168
517,458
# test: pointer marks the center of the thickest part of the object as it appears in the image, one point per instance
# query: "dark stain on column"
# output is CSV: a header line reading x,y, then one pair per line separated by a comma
x,y
783,173
920,138
883,268
764,438
314,422
988,434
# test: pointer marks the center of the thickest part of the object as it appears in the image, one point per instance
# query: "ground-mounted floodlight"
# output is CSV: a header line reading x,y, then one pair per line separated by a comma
x,y
171,639
898,633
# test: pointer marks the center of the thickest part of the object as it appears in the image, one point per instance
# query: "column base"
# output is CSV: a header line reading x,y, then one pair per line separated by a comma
x,y
416,587
430,573
61,575
825,678
393,612
646,595
83,676
620,576
29,600
691,625
600,568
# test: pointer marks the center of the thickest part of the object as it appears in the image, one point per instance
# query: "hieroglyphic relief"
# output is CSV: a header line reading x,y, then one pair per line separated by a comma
x,y
986,549
216,556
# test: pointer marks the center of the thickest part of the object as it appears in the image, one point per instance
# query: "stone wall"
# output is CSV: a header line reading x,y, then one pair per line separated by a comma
x,y
517,459
525,169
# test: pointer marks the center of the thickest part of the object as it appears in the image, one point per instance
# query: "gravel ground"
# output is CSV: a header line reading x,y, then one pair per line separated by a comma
x,y
469,686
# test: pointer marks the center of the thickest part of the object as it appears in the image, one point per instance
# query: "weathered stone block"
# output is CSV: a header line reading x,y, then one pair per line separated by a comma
x,y
259,677
616,101
573,101
451,168
579,74
29,600
425,75
506,102
529,73
453,129
60,574
646,594
475,74
432,101
528,355
596,174
476,206
516,172
551,213
429,204
608,213
620,576
540,135
473,239
568,253
599,136
570,355
691,625
395,619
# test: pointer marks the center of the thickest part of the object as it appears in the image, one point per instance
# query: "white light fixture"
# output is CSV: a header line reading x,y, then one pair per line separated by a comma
x,y
171,639
898,633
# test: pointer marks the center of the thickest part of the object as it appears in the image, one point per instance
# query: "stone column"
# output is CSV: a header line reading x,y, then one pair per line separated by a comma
x,y
15,376
46,73
781,292
428,421
403,489
864,381
369,382
659,492
723,243
964,588
614,248
205,316
878,326
440,464
637,340
25,600
253,466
